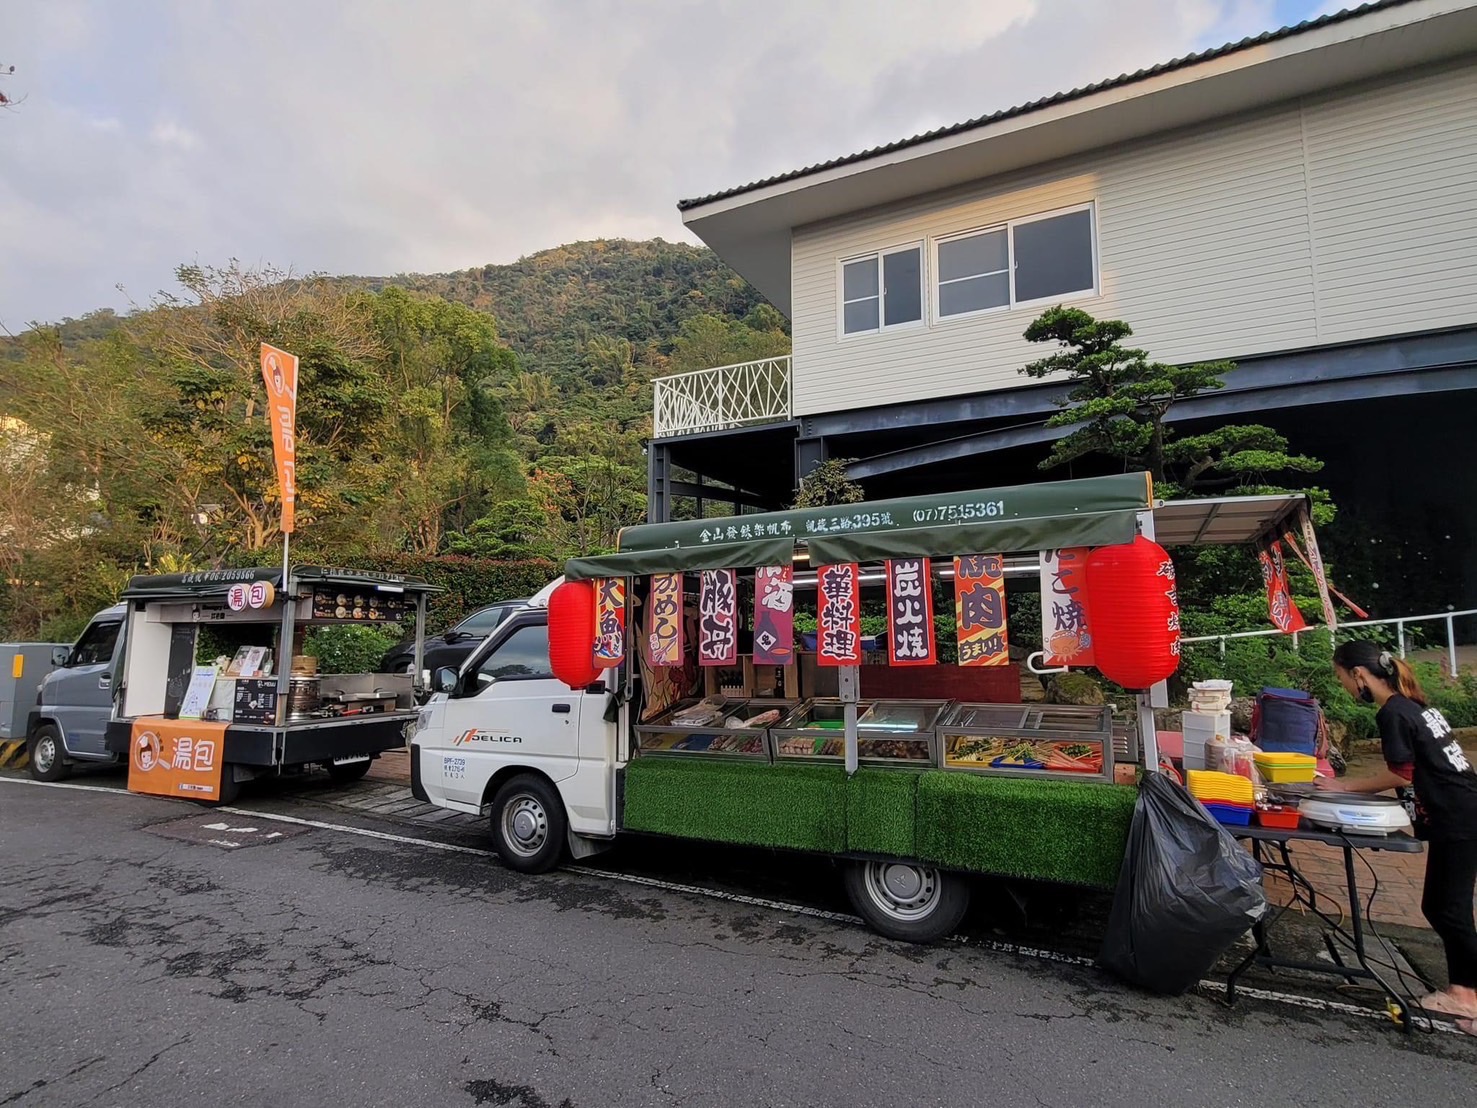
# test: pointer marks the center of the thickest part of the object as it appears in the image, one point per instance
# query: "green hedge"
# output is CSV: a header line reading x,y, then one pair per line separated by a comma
x,y
1071,832
1068,832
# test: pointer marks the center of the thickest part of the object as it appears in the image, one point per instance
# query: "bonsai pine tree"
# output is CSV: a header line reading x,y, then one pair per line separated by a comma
x,y
1118,404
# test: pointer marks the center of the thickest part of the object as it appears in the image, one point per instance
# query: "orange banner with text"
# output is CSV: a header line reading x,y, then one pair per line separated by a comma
x,y
176,757
279,371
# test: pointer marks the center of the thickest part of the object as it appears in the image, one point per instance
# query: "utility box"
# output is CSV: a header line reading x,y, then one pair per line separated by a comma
x,y
23,666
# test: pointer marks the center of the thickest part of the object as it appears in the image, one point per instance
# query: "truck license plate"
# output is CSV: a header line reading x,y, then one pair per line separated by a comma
x,y
351,761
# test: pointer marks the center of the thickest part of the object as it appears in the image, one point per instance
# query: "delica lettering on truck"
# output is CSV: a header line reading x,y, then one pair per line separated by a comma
x,y
675,688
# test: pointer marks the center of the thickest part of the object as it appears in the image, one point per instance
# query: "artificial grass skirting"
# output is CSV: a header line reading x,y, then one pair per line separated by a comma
x,y
1068,832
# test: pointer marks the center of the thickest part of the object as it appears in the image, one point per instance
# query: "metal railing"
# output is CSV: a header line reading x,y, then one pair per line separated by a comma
x,y
722,397
1449,618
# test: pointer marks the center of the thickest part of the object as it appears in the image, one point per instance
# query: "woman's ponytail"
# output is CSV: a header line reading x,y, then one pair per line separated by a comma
x,y
1405,680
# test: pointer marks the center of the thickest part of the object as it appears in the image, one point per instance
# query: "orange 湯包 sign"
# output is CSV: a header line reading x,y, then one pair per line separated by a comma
x,y
279,371
176,757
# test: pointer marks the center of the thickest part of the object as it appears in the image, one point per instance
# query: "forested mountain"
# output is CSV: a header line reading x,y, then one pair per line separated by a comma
x,y
498,411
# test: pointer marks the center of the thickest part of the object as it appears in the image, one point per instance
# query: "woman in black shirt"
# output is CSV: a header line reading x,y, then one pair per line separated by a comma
x,y
1428,769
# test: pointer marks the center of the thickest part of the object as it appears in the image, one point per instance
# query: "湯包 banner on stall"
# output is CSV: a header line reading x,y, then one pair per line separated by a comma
x,y
979,610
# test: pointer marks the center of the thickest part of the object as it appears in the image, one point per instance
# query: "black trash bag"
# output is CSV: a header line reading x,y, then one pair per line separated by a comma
x,y
1186,892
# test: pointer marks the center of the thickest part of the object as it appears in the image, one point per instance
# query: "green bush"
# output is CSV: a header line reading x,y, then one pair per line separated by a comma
x,y
348,649
1455,699
470,583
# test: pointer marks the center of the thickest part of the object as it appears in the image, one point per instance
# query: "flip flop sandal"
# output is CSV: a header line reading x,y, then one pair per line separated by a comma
x,y
1444,1005
1467,1026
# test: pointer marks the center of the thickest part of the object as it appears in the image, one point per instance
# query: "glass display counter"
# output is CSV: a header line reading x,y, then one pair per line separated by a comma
x,y
731,727
1029,740
889,732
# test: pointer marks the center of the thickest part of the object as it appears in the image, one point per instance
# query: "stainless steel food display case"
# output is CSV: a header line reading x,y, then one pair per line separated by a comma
x,y
889,732
718,736
1029,740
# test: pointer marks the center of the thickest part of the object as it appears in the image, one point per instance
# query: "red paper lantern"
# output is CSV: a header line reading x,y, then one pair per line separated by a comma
x,y
572,634
1134,612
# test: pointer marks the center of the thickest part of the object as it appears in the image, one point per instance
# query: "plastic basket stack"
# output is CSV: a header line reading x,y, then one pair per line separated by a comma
x,y
1285,768
1226,796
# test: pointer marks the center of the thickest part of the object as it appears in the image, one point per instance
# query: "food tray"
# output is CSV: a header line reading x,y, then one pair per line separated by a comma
x,y
1284,818
663,737
1031,740
889,732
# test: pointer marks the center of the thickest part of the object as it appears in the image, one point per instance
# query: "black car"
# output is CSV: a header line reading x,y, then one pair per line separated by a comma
x,y
451,647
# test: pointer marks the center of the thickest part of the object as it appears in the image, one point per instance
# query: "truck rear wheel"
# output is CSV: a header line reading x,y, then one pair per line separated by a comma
x,y
528,824
903,900
48,760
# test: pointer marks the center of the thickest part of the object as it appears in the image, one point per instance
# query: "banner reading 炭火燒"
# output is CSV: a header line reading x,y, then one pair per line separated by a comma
x,y
910,640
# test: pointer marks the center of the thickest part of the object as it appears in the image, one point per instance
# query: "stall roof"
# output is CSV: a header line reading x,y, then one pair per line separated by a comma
x,y
1093,511
1224,521
213,584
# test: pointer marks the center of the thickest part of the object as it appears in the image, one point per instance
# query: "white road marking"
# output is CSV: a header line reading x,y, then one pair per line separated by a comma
x,y
1215,988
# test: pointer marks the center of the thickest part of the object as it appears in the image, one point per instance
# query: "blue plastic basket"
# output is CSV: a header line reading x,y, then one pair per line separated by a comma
x,y
1230,815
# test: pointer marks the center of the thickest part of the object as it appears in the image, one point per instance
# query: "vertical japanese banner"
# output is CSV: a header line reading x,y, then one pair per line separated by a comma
x,y
1066,631
1280,606
664,620
718,626
279,371
774,615
979,610
1314,558
610,622
910,613
839,615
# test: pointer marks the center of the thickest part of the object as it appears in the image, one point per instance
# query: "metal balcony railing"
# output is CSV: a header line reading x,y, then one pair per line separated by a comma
x,y
726,396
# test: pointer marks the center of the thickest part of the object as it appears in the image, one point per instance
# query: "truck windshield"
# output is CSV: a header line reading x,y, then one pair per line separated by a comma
x,y
95,647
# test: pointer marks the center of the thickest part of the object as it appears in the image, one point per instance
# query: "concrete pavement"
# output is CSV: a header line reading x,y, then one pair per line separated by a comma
x,y
143,964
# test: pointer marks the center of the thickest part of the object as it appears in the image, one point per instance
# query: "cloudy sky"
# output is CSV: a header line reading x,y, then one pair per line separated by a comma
x,y
386,136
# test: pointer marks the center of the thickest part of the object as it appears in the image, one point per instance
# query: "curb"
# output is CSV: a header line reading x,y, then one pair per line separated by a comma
x,y
13,754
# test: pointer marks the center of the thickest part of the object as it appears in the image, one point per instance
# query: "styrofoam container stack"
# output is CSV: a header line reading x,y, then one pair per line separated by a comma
x,y
1200,729
1210,696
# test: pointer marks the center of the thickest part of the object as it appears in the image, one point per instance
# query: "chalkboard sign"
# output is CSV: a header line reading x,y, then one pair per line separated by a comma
x,y
256,701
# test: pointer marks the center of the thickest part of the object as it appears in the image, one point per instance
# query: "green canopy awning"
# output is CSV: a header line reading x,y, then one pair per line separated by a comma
x,y
989,537
1093,511
639,563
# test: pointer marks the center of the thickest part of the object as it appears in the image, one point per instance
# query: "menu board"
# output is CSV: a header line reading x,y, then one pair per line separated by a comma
x,y
358,604
255,701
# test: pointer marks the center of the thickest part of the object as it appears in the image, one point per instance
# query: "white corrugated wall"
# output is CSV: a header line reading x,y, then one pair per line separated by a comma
x,y
1341,218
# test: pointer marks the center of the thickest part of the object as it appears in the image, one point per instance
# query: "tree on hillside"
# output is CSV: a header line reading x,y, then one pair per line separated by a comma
x,y
1118,402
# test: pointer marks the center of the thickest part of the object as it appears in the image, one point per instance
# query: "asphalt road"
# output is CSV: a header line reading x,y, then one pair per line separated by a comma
x,y
145,962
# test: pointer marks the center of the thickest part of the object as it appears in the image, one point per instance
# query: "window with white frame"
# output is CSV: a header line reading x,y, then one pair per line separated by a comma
x,y
882,290
1025,261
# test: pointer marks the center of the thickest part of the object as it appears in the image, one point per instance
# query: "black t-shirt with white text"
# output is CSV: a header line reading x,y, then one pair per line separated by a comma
x,y
1418,744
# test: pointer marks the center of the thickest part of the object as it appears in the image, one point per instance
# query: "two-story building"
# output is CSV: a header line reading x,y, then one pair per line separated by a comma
x,y
1304,203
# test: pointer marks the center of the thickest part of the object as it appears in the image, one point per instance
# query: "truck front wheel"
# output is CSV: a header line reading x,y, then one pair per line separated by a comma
x,y
48,762
903,900
528,824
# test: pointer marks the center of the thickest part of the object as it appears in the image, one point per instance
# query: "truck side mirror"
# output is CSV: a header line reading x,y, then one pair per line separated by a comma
x,y
445,680
59,655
